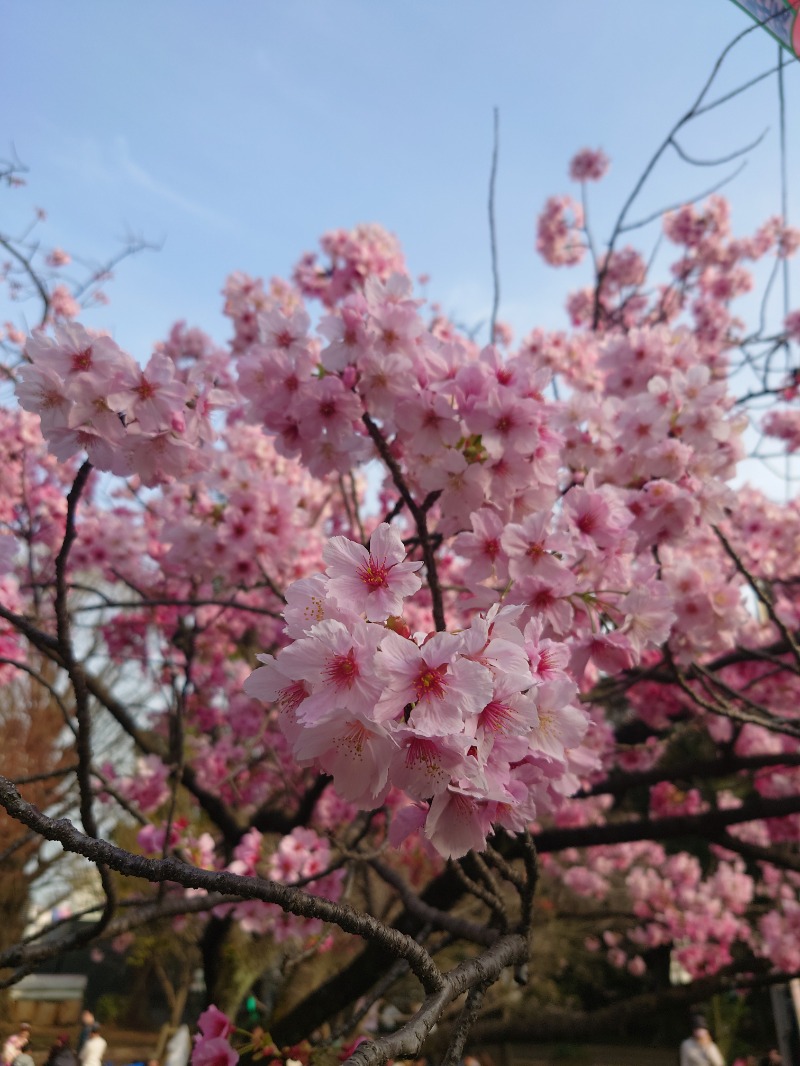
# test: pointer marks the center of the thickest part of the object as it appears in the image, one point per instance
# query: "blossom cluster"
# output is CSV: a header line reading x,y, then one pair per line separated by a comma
x,y
590,164
703,916
212,1041
700,911
352,256
559,233
93,397
472,432
301,857
475,727
711,272
214,1044
570,529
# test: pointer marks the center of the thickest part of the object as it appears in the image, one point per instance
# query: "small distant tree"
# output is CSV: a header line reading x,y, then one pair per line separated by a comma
x,y
35,754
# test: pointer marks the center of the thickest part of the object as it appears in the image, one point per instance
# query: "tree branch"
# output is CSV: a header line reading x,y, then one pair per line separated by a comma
x,y
291,900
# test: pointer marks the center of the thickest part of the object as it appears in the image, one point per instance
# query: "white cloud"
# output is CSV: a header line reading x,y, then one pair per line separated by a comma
x,y
110,162
140,177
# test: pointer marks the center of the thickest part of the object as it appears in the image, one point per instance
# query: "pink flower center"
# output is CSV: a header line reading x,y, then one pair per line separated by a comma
x,y
342,670
374,574
423,757
495,716
542,600
587,522
291,434
547,661
290,698
82,360
354,740
422,751
145,389
430,683
491,548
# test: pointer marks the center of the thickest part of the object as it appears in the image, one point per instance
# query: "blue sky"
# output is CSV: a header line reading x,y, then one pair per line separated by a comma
x,y
235,133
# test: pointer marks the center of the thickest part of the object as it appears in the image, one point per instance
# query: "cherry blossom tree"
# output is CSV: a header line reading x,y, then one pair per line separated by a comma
x,y
408,635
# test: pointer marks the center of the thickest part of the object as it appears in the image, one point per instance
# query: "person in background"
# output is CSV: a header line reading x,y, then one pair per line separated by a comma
x,y
16,1043
87,1021
61,1054
179,1047
699,1049
91,1054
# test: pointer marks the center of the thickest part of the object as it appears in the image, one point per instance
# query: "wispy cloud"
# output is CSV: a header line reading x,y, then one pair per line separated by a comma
x,y
111,162
147,181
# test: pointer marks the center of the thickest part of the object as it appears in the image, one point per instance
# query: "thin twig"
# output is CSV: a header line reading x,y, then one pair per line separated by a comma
x,y
784,171
419,514
765,601
466,1020
650,167
30,270
692,200
695,162
437,919
735,92
493,228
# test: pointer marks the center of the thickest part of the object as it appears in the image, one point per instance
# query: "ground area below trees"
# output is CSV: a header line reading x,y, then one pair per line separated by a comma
x,y
127,1046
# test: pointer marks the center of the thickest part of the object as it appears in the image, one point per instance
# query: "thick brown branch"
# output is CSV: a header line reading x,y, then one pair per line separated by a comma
x,y
291,900
555,1023
137,913
436,918
476,973
708,824
781,857
617,784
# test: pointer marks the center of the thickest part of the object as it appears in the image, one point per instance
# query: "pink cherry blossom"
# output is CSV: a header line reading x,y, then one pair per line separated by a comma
x,y
531,549
577,618
150,396
482,547
212,1023
560,725
457,823
443,689
374,581
336,661
588,165
8,550
213,1051
357,752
